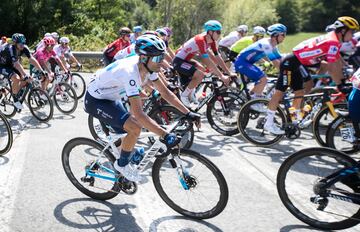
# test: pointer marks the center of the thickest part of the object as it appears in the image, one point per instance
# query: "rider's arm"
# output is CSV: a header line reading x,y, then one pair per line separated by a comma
x,y
169,96
19,67
276,63
170,52
218,60
34,62
335,71
142,118
213,68
60,63
43,64
164,63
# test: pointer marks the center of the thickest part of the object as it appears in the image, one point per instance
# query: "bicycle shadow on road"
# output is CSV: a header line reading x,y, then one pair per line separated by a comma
x,y
61,116
290,228
27,122
210,144
206,226
3,160
96,215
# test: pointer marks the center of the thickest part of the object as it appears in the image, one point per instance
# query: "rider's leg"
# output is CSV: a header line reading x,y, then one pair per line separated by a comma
x,y
259,86
15,79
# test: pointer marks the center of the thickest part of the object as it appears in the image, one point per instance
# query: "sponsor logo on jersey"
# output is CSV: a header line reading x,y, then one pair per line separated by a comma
x,y
310,53
132,82
333,50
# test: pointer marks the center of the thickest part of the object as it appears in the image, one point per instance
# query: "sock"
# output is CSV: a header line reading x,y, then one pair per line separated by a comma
x,y
298,114
186,92
124,158
270,116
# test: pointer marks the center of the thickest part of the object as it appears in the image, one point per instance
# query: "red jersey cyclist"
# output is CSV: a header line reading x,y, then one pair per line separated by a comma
x,y
190,70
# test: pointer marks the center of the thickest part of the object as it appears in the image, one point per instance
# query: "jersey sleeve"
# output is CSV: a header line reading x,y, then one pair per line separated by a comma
x,y
201,44
214,48
273,54
333,53
26,51
131,85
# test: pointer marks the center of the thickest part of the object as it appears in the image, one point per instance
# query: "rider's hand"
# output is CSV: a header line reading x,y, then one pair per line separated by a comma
x,y
195,117
226,80
170,140
79,66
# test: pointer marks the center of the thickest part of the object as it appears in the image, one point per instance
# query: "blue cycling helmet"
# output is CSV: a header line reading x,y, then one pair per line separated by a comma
x,y
137,29
276,29
18,38
212,25
150,45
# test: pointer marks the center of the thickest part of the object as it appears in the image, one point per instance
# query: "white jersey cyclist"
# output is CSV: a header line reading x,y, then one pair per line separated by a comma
x,y
233,36
121,75
126,52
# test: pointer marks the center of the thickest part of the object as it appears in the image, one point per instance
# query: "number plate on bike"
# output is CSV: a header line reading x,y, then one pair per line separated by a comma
x,y
347,134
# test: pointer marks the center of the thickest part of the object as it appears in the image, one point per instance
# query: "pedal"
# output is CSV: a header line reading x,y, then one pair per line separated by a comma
x,y
90,180
260,123
292,131
128,187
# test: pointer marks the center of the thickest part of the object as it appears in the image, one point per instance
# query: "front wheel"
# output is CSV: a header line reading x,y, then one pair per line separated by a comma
x,y
299,184
6,135
65,98
40,105
221,113
7,102
190,184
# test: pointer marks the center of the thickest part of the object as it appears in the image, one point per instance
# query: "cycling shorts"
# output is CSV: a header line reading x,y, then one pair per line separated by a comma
x,y
112,113
354,105
186,70
9,71
248,69
292,73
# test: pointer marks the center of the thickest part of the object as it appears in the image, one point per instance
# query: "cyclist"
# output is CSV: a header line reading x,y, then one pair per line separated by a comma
x,y
122,42
293,68
354,102
190,70
11,67
169,50
137,32
238,46
42,56
263,48
63,52
129,74
3,41
226,42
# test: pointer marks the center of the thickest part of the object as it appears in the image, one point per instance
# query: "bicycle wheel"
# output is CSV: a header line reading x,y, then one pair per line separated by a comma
x,y
251,123
221,113
202,191
41,109
81,156
65,98
78,83
166,115
321,123
338,135
299,186
6,135
7,102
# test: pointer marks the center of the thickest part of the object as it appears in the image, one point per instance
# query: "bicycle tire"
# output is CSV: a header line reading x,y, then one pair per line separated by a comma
x,y
223,188
7,102
243,119
35,103
317,126
79,85
331,133
70,94
283,192
234,101
69,146
9,135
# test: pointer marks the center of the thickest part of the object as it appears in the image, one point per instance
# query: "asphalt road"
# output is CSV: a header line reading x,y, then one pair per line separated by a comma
x,y
35,194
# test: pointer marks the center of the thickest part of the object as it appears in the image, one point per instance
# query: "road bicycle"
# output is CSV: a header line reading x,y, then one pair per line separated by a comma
x,y
6,135
187,182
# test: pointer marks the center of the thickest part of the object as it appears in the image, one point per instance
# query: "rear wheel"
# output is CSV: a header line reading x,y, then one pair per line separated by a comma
x,y
7,102
65,98
40,105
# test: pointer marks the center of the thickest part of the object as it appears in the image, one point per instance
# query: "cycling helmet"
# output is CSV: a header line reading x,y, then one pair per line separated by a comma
x,y
242,28
47,34
168,30
330,27
49,41
151,33
150,45
276,29
259,31
55,35
212,25
162,32
137,29
124,31
18,38
346,22
64,40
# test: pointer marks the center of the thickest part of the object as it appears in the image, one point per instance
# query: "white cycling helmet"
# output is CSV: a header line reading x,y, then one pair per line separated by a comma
x,y
55,35
64,40
259,31
242,28
47,34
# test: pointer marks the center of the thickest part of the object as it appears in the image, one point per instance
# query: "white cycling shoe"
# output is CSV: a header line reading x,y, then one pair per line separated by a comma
x,y
273,129
129,172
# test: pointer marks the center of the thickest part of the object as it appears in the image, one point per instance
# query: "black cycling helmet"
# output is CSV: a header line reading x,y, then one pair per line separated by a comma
x,y
150,45
18,38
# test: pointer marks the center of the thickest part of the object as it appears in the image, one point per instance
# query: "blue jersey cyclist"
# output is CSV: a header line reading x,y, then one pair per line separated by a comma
x,y
263,48
128,74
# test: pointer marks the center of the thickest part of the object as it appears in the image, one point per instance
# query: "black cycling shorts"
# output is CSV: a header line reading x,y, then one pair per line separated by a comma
x,y
292,73
9,71
186,70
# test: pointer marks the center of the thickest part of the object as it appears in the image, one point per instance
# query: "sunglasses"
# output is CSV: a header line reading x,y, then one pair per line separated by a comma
x,y
127,35
158,59
283,34
218,32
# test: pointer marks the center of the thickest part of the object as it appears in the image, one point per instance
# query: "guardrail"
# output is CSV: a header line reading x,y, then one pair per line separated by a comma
x,y
87,55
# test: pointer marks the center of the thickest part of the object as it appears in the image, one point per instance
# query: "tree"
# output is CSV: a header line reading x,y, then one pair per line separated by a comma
x,y
289,14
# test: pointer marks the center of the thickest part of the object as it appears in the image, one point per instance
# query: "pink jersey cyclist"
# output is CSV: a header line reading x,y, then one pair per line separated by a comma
x,y
313,51
44,55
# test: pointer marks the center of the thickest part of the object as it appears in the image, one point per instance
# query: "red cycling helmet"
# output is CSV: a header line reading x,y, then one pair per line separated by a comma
x,y
49,41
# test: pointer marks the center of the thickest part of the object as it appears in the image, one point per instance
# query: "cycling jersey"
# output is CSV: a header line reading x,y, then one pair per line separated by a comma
x,y
230,39
115,78
258,50
196,46
313,51
9,55
61,51
355,79
44,55
126,52
239,45
114,47
354,98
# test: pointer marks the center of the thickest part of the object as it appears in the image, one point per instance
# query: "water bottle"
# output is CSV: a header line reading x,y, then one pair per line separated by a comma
x,y
138,155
